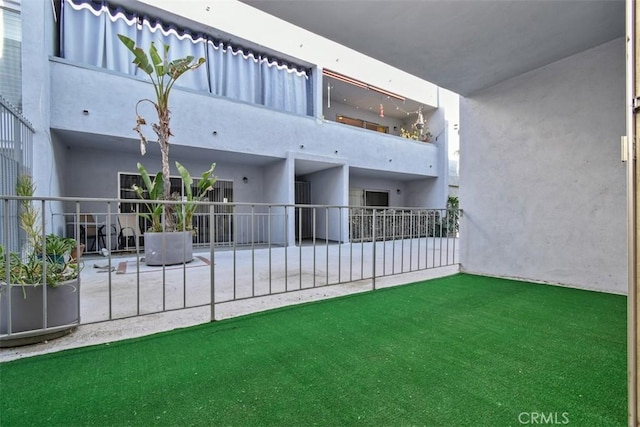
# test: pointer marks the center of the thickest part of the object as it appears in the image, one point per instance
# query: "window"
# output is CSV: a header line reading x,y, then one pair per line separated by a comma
x,y
359,197
376,198
222,192
11,52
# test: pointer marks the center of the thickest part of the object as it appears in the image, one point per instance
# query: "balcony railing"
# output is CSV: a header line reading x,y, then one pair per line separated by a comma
x,y
243,251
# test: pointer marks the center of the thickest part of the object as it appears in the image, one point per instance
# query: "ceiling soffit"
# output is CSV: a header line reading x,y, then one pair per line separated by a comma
x,y
463,46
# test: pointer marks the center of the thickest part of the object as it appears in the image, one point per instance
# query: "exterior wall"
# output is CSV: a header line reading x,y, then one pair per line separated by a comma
x,y
110,100
67,102
379,184
101,167
450,103
293,41
37,26
542,185
278,188
417,194
437,189
276,180
328,187
49,161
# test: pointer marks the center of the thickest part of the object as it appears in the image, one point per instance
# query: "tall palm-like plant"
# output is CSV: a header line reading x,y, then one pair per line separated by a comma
x,y
163,74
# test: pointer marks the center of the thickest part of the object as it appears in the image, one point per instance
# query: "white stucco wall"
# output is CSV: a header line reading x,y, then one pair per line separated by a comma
x,y
541,182
243,22
101,167
36,94
49,162
278,188
61,99
418,194
110,99
329,187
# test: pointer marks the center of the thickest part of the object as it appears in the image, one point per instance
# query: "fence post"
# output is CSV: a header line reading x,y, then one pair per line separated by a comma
x,y
212,265
373,239
7,265
43,236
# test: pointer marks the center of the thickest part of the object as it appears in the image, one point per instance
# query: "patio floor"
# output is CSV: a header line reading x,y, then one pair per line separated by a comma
x,y
109,286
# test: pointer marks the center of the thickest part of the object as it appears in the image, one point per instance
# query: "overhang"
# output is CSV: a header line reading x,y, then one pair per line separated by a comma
x,y
463,46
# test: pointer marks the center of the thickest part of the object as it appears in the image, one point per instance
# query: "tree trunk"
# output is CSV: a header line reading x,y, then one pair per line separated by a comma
x,y
165,132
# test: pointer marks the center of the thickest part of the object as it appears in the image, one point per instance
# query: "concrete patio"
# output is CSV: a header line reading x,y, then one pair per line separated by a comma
x,y
123,298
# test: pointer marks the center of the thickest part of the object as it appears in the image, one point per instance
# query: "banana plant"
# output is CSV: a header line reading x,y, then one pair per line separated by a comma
x,y
153,191
205,184
163,74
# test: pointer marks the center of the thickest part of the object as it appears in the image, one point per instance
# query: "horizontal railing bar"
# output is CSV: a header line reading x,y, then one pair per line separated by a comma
x,y
208,203
289,291
168,310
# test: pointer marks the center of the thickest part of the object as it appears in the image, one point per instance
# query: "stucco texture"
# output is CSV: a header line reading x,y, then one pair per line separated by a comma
x,y
541,182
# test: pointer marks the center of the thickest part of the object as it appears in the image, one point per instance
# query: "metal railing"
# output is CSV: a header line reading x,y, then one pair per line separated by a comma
x,y
16,144
222,228
251,250
393,223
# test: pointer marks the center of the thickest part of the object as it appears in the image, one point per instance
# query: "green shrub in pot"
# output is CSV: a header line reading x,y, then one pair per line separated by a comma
x,y
28,267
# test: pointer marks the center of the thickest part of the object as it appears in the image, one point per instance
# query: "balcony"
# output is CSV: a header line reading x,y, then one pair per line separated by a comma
x,y
95,108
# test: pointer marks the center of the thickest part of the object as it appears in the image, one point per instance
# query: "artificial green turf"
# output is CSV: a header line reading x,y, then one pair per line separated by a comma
x,y
461,350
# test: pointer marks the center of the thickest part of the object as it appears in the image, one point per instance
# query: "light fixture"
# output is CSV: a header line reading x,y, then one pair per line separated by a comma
x,y
419,124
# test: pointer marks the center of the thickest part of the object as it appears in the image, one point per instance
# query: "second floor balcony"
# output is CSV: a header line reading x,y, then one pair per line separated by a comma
x,y
101,105
250,102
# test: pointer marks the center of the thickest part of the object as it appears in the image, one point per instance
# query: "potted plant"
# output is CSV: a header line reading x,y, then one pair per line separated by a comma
x,y
56,248
416,134
169,240
164,246
23,275
453,216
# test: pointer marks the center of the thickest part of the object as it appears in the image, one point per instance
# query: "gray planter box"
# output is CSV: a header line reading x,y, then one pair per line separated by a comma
x,y
169,248
27,313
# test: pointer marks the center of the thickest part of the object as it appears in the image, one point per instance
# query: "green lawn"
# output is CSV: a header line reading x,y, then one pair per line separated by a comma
x,y
461,350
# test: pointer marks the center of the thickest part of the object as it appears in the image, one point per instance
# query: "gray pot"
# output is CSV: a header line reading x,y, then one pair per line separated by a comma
x,y
169,248
27,313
